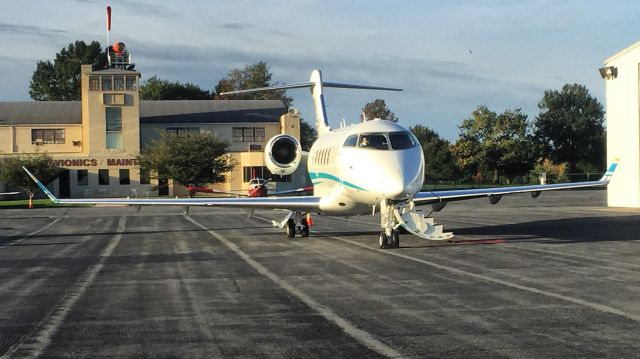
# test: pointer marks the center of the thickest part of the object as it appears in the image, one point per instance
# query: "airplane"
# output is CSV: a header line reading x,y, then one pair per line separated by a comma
x,y
257,188
352,176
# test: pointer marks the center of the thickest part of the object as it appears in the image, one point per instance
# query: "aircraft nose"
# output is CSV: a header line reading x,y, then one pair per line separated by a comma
x,y
395,186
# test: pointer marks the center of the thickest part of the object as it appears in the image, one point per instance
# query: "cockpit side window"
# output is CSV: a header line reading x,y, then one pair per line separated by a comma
x,y
351,141
376,141
401,140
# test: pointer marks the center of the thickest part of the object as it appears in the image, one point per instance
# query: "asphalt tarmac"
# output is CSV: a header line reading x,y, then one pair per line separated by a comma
x,y
553,277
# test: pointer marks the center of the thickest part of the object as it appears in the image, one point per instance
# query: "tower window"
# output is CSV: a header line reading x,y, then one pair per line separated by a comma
x,y
107,83
114,127
94,83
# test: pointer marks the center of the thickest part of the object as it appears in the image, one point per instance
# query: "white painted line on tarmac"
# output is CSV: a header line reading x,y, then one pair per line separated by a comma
x,y
358,334
32,233
596,306
33,344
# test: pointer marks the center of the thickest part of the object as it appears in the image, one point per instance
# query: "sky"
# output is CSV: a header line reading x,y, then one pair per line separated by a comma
x,y
448,56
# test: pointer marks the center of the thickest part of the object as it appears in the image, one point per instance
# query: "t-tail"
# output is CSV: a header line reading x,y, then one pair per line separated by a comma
x,y
316,84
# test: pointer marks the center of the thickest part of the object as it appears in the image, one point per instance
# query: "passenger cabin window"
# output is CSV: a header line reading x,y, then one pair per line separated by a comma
x,y
401,140
376,141
351,141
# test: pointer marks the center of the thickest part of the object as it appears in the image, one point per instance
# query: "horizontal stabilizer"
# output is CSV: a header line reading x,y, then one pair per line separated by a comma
x,y
358,87
271,88
310,84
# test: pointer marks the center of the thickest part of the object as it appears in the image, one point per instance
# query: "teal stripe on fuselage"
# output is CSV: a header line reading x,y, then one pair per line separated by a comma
x,y
324,175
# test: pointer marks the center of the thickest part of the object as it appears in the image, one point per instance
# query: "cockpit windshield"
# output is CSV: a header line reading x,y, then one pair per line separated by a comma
x,y
401,140
376,141
381,141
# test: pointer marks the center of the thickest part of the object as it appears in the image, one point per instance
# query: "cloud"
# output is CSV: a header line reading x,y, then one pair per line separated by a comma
x,y
135,6
30,30
235,26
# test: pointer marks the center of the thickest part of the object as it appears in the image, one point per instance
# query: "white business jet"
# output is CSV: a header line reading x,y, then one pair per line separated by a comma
x,y
371,166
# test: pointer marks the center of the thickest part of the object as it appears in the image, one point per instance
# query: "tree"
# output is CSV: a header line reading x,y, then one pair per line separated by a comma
x,y
308,135
555,173
570,128
439,162
60,80
157,89
378,109
249,77
495,143
195,159
40,164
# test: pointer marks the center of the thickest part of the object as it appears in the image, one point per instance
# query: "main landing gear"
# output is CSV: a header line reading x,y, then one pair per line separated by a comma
x,y
295,223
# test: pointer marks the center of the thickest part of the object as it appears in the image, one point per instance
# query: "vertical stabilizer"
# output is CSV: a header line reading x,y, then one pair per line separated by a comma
x,y
322,123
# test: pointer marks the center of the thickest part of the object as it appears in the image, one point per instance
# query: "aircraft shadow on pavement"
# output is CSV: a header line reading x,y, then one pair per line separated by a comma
x,y
584,229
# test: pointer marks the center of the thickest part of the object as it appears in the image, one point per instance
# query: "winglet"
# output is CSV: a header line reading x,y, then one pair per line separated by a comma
x,y
607,176
42,187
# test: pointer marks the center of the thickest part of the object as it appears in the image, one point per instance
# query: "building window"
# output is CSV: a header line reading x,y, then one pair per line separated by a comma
x,y
103,177
258,134
248,134
107,83
182,130
145,176
114,127
83,177
250,172
118,83
94,83
131,83
47,136
124,177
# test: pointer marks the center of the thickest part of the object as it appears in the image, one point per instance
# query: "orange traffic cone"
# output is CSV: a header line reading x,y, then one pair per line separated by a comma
x,y
309,220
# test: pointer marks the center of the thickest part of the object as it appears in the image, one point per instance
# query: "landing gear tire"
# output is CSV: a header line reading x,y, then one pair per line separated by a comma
x,y
392,241
305,227
383,240
396,239
291,228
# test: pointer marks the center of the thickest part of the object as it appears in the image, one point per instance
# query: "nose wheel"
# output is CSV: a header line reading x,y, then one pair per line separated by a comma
x,y
389,240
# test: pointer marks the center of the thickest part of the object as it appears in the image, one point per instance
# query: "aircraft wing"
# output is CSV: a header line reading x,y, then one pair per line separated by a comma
x,y
494,194
289,203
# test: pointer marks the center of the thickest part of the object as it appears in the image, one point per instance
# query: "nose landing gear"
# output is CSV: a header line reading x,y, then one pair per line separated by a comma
x,y
389,240
394,215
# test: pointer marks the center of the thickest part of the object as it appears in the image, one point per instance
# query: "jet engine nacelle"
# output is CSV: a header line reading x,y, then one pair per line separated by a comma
x,y
282,155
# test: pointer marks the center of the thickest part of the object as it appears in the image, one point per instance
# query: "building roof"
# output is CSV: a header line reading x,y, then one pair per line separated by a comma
x,y
622,53
206,111
41,112
187,111
114,72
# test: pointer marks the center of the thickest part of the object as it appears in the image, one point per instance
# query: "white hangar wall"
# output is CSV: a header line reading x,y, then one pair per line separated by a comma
x,y
622,82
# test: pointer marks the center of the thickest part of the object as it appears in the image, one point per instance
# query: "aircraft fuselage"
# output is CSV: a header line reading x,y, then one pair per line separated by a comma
x,y
352,176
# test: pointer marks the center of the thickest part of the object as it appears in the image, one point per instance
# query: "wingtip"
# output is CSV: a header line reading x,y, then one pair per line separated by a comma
x,y
612,168
41,186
